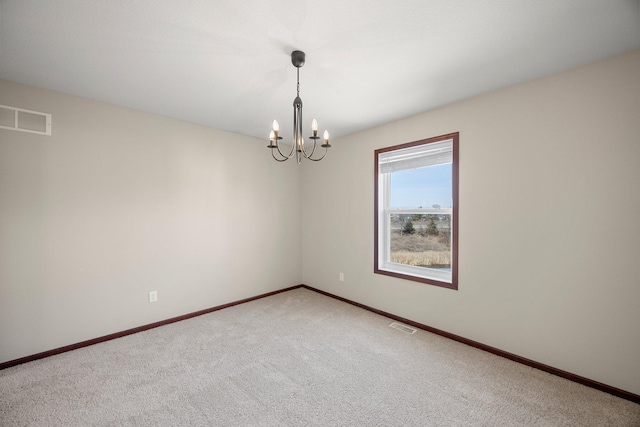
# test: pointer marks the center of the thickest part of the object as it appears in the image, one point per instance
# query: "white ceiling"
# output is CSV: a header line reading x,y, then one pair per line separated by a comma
x,y
226,63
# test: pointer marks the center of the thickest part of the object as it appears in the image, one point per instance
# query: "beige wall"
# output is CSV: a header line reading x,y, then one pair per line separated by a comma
x,y
549,221
117,203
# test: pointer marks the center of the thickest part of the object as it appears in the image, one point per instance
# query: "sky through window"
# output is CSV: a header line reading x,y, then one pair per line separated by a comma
x,y
422,187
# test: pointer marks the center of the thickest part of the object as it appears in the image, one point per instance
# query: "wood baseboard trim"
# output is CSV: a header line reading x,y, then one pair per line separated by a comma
x,y
109,337
550,369
558,372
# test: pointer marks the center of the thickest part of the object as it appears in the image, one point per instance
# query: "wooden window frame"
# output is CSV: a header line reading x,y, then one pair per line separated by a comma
x,y
454,137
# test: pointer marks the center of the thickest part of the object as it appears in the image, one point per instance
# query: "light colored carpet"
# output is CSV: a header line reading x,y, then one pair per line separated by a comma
x,y
295,359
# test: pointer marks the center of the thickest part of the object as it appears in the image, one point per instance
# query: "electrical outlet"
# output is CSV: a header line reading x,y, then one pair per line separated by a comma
x,y
342,277
153,296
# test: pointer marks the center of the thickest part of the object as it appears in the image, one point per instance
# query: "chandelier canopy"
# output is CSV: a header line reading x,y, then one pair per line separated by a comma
x,y
297,145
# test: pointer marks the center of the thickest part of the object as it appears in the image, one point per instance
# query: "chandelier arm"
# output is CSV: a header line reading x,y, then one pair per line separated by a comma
x,y
296,123
283,159
293,147
317,160
290,153
280,152
304,153
297,128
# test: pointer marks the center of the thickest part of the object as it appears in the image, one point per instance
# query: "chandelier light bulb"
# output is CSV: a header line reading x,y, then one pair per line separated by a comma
x,y
276,126
314,125
326,136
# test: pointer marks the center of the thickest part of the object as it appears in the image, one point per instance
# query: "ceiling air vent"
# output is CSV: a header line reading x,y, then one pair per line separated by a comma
x,y
25,120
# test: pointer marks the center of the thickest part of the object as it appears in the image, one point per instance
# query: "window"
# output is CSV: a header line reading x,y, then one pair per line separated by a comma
x,y
416,211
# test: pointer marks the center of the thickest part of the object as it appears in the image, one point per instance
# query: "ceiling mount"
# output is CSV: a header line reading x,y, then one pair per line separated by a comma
x,y
297,58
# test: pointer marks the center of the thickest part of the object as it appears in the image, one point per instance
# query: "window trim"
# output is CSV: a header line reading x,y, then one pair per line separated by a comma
x,y
454,137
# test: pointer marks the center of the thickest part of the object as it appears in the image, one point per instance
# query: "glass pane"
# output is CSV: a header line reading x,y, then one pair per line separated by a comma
x,y
422,240
422,187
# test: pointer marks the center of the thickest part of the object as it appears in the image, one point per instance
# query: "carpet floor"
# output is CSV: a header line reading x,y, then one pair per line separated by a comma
x,y
297,358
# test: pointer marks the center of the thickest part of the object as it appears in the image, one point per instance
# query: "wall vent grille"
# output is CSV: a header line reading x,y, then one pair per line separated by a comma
x,y
25,120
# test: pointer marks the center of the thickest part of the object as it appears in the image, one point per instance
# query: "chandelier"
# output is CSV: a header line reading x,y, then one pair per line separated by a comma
x,y
297,146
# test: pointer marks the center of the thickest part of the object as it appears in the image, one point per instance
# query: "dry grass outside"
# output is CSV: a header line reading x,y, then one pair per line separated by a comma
x,y
422,259
419,250
417,243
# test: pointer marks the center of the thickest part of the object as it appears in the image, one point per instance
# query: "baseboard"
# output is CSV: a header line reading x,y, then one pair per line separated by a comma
x,y
550,369
109,337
